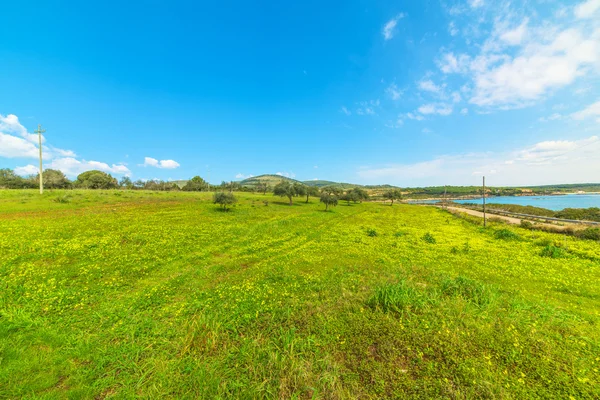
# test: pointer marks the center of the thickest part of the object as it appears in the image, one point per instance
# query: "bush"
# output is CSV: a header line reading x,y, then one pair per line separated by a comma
x,y
428,237
398,298
526,224
62,199
371,232
224,199
589,233
505,234
552,251
470,290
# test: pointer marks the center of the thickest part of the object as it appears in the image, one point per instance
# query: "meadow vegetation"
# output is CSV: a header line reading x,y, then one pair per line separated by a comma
x,y
159,295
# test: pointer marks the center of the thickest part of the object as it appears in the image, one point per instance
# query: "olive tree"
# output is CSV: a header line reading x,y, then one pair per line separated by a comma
x,y
394,194
311,191
285,189
262,187
360,194
329,200
224,199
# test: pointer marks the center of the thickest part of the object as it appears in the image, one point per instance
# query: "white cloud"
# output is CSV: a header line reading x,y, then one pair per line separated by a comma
x,y
464,111
16,147
367,107
452,29
11,125
553,117
587,9
456,97
451,64
475,3
388,30
426,130
345,110
73,167
286,174
547,162
242,176
440,109
27,170
593,111
153,162
523,61
415,116
393,91
515,36
429,86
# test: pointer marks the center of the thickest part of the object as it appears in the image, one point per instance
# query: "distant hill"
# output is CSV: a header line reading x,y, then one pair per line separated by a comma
x,y
269,179
321,183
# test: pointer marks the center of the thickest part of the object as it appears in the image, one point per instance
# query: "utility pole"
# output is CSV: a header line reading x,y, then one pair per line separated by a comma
x,y
484,202
445,206
208,178
39,131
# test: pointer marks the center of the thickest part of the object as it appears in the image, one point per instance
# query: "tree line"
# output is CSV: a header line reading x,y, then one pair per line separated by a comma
x,y
54,179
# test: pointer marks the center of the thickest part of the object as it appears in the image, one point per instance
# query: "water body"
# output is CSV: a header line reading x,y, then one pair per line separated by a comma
x,y
555,203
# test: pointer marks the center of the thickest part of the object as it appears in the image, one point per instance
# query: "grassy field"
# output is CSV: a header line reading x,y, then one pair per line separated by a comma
x,y
160,295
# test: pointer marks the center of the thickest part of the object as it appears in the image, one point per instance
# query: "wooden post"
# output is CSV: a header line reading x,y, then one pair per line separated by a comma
x,y
39,131
445,207
484,222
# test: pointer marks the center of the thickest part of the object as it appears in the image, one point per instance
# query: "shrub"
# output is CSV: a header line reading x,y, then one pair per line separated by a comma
x,y
62,199
589,233
526,224
224,199
371,232
398,298
428,237
552,251
505,234
470,290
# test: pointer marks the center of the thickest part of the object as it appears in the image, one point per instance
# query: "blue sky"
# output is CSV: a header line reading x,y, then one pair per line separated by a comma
x,y
404,92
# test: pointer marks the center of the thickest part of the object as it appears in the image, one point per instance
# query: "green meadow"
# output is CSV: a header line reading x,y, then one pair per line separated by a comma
x,y
123,294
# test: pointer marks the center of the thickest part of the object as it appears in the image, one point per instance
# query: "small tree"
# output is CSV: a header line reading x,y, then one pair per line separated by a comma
x,y
285,189
311,191
196,184
329,200
349,196
360,194
392,195
299,189
53,179
224,199
126,183
262,187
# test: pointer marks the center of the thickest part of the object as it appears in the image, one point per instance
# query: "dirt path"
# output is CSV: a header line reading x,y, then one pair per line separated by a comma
x,y
510,220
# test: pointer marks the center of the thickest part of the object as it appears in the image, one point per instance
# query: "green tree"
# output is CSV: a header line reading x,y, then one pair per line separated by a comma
x,y
10,180
349,196
311,191
224,199
95,179
394,194
285,189
126,183
299,189
262,187
53,179
360,194
196,184
329,199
